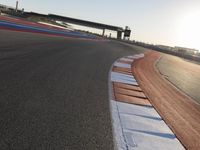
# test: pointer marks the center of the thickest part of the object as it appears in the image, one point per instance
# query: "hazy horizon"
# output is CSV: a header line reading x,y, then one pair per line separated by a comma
x,y
167,22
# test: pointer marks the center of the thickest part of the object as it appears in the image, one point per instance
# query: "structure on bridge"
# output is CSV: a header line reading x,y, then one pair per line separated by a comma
x,y
96,25
119,30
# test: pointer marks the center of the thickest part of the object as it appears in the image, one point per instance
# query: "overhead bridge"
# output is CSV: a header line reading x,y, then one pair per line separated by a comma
x,y
96,25
119,30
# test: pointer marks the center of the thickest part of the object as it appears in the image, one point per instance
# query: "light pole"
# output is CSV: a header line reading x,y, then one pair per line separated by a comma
x,y
17,3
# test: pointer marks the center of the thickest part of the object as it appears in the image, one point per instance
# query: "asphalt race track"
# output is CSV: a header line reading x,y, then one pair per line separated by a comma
x,y
54,91
17,24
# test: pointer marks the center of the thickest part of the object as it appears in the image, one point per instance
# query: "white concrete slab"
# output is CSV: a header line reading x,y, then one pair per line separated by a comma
x,y
122,75
123,65
126,59
124,81
123,78
136,56
144,129
118,136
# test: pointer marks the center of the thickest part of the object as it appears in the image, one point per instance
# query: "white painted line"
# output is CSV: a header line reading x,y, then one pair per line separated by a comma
x,y
122,75
123,78
132,57
123,65
136,56
126,59
49,24
124,81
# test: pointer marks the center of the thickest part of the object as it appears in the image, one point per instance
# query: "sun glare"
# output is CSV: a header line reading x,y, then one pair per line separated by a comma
x,y
189,31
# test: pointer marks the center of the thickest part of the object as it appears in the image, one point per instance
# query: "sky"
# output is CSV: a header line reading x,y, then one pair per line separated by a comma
x,y
167,22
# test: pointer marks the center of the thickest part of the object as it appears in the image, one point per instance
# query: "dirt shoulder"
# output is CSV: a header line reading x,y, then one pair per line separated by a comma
x,y
179,111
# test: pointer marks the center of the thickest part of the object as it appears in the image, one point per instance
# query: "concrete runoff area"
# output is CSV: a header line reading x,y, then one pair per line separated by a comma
x,y
136,124
182,73
54,91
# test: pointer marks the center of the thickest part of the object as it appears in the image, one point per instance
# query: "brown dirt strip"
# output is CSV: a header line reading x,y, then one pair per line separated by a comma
x,y
122,69
178,110
127,86
129,92
131,100
123,61
123,72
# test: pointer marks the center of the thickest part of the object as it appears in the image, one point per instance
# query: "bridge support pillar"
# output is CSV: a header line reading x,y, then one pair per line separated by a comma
x,y
103,32
119,34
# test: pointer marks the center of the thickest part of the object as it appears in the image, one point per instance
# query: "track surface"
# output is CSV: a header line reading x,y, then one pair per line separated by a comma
x,y
54,92
184,74
16,24
179,111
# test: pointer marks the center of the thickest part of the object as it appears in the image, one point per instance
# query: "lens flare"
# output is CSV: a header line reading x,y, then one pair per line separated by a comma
x,y
189,31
